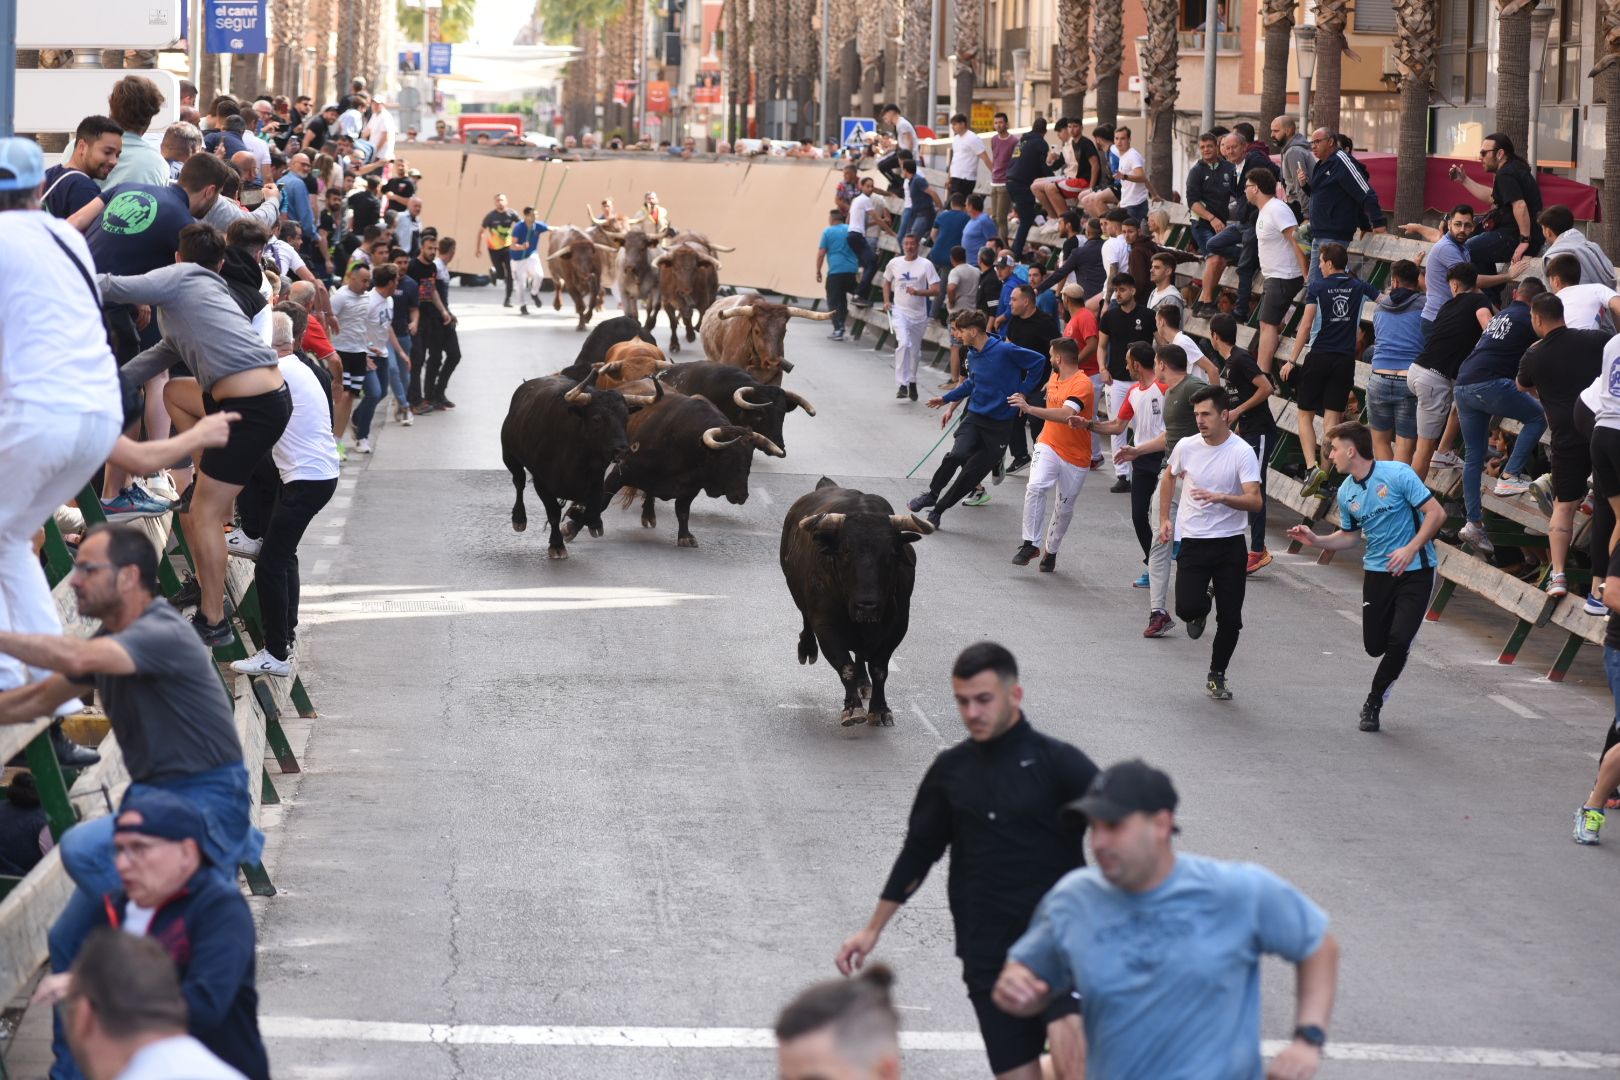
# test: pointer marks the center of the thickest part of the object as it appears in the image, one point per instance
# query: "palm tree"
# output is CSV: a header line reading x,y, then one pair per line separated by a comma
x,y
1073,54
1513,72
918,24
323,24
1108,50
841,62
869,46
967,33
370,40
1277,17
288,22
1331,17
803,61
455,19
1415,39
348,45
1607,74
1162,81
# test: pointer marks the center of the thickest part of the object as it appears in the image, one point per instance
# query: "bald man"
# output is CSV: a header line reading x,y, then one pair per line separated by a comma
x,y
246,165
296,193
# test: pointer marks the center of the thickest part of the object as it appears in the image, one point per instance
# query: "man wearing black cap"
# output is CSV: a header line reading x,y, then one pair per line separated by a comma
x,y
200,917
993,800
1164,949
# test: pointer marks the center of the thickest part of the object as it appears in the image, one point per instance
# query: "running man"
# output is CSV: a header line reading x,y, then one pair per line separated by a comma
x,y
1222,488
1385,502
908,282
1143,414
993,801
1062,455
495,232
527,267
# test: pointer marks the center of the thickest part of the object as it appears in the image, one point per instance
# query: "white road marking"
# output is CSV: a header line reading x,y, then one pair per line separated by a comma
x,y
335,523
917,710
1514,707
331,540
321,567
1351,615
718,1038
763,496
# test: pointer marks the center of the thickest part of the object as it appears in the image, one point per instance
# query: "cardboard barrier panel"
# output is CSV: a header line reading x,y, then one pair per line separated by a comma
x,y
440,185
784,212
481,180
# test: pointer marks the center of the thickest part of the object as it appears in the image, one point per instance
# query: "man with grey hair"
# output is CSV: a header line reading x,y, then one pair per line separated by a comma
x,y
1295,150
180,141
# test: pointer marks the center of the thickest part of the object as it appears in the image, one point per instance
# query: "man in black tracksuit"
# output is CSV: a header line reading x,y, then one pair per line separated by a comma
x,y
993,800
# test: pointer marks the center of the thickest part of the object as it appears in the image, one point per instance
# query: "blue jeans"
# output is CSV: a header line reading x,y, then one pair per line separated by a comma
x,y
1232,244
1202,234
1611,668
399,371
1476,404
1486,250
371,398
87,854
1391,406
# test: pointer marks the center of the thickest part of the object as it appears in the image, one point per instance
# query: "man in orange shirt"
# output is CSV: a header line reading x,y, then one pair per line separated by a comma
x,y
1080,326
1062,456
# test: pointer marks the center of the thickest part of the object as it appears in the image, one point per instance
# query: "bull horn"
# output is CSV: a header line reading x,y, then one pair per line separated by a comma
x,y
612,368
806,313
581,392
769,447
722,247
659,260
611,248
710,259
800,402
828,522
744,309
662,363
641,401
911,523
740,399
711,439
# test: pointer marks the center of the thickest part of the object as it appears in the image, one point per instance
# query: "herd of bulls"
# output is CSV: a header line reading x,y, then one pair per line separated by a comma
x,y
623,419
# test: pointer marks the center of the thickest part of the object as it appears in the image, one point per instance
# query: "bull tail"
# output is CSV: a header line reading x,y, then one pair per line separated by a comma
x,y
628,497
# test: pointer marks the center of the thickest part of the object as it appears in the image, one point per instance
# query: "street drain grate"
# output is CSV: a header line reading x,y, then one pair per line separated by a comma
x,y
411,605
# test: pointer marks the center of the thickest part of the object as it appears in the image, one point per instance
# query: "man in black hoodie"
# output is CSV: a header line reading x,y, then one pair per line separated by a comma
x,y
1029,164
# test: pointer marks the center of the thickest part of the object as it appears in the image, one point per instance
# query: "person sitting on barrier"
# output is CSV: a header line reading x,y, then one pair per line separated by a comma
x,y
126,1015
170,894
25,832
163,697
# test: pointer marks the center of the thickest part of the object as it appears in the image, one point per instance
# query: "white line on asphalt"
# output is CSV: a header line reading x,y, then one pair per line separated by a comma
x,y
335,523
717,1038
927,723
331,539
1514,707
1351,615
321,567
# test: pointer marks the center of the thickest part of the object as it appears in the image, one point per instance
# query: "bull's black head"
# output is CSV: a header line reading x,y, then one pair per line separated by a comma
x,y
604,415
764,408
731,459
865,550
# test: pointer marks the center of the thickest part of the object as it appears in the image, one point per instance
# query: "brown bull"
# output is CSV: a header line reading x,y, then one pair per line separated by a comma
x,y
638,277
747,332
629,361
571,260
687,236
688,280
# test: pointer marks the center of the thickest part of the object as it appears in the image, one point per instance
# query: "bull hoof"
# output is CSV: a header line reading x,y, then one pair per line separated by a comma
x,y
807,649
556,553
853,715
519,526
691,335
570,529
648,521
596,531
880,718
686,541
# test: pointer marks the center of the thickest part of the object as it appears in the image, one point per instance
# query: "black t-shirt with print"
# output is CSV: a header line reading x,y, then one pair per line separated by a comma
x,y
365,211
1123,328
1239,373
499,224
1456,332
138,228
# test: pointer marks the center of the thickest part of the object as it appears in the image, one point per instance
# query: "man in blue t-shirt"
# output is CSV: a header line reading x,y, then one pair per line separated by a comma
x,y
948,229
1385,503
842,265
980,228
1325,380
135,228
96,146
1487,386
922,203
1164,949
528,269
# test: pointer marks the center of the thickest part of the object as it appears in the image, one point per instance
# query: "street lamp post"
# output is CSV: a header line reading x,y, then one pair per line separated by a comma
x,y
1541,19
823,121
1305,57
932,112
1210,43
1020,69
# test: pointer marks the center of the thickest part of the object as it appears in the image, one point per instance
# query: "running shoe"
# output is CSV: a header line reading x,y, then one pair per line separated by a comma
x,y
363,446
262,663
240,544
1206,309
980,497
523,309
1510,485
997,472
407,420
1314,479
836,335
911,391
1594,603
1025,554
900,393
188,595
1445,459
1587,823
1018,464
1096,461
1258,560
1159,624
934,516
1557,585
1195,627
131,503
1541,493
214,635
141,491
443,402
1048,563
1217,687
1122,486
1369,715
343,452
1142,582
1473,534
182,505
922,502
423,408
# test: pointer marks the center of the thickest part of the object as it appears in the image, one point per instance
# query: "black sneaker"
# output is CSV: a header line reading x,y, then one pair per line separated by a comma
x,y
422,408
1369,715
912,391
900,393
1216,685
190,594
214,635
443,402
1122,486
1018,464
1048,563
507,302
922,502
1195,628
1025,554
1206,309
934,516
523,309
182,505
69,754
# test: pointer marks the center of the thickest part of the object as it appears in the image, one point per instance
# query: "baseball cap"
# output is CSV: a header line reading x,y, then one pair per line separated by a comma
x,y
163,814
1073,291
1131,787
414,174
22,165
1006,258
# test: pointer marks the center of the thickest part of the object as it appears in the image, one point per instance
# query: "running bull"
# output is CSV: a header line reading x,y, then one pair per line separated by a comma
x,y
849,564
747,332
571,260
739,395
688,282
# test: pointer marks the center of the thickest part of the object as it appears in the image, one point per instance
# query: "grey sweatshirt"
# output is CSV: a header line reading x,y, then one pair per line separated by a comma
x,y
202,325
225,211
1595,265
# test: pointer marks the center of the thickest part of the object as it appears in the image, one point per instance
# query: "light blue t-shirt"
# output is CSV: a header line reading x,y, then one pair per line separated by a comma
x,y
1386,507
975,233
1170,979
835,242
1443,255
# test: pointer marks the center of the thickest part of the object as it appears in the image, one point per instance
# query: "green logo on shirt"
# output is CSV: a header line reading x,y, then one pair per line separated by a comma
x,y
130,212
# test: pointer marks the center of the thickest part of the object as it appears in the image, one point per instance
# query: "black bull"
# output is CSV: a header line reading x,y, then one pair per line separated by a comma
x,y
849,564
744,399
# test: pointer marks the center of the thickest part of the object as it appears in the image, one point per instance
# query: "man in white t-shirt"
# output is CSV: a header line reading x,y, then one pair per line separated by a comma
x,y
1282,260
908,282
1116,255
905,144
1162,273
1583,304
865,223
967,154
1220,487
382,131
1132,176
1167,318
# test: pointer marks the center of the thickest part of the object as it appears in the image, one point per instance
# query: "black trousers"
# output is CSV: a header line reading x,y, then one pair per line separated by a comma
x,y
1392,609
1602,527
957,186
1144,481
279,515
838,287
429,341
979,444
442,361
890,168
868,256
1263,444
1223,563
500,268
1023,200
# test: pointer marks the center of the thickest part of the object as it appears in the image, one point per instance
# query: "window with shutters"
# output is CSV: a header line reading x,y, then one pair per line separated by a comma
x,y
1375,17
1561,73
1464,51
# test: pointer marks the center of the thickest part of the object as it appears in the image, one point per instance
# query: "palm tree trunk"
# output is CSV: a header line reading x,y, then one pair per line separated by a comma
x,y
968,37
322,17
1277,17
869,47
893,54
1607,74
841,62
1331,16
348,46
1108,49
1073,55
1513,73
919,25
804,51
1163,81
1415,40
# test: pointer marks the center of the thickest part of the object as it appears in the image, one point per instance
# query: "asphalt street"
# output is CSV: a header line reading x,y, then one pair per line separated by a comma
x,y
548,805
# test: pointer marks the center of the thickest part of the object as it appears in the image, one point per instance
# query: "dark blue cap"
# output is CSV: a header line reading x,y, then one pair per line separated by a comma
x,y
163,814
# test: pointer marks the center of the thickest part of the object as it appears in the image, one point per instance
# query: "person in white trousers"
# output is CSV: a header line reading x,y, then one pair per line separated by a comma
x,y
908,282
1062,455
61,409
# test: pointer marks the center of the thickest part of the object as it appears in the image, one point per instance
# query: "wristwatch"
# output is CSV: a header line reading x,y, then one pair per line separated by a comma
x,y
1311,1035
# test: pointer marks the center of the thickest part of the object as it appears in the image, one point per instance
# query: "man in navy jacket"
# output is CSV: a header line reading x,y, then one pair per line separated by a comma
x,y
1339,195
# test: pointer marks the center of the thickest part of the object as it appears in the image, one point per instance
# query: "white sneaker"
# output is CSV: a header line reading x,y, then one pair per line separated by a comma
x,y
1445,459
1473,534
241,544
363,446
262,663
408,419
